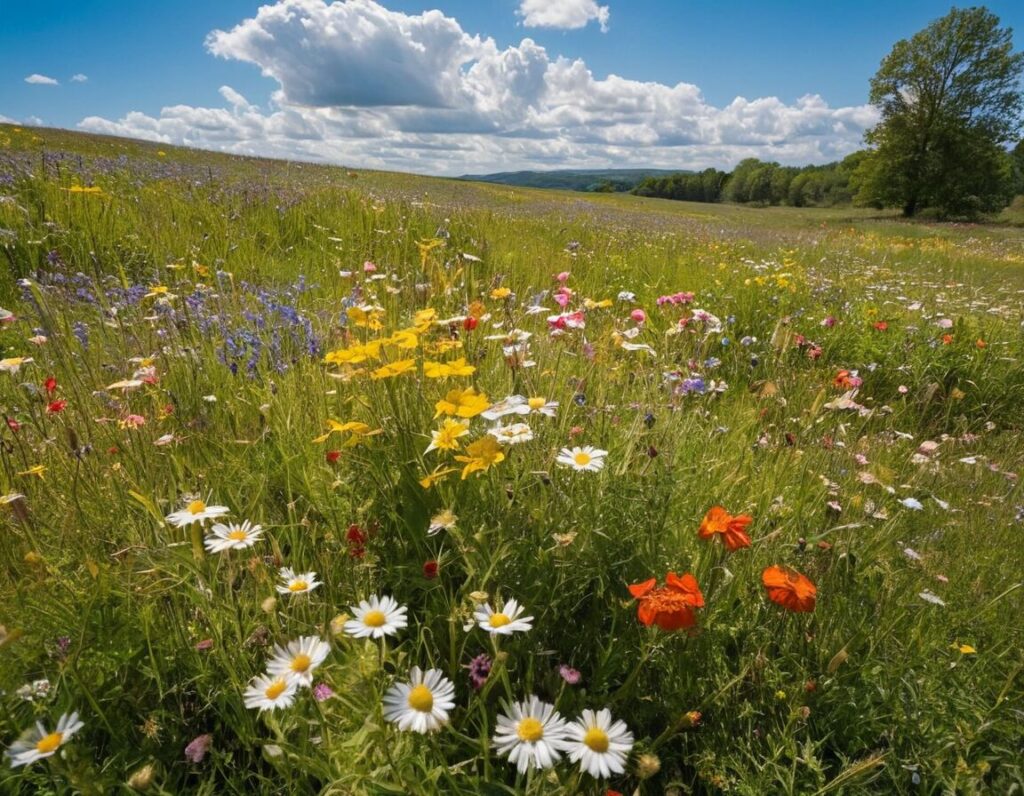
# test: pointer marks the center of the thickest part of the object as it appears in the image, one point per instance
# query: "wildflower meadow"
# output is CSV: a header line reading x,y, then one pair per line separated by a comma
x,y
329,481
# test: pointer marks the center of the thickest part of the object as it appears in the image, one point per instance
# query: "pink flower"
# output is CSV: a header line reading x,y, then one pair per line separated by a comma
x,y
322,692
570,675
903,389
638,316
563,277
198,747
829,322
369,267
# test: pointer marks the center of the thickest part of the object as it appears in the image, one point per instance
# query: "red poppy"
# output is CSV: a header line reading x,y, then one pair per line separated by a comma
x,y
732,528
790,589
947,339
55,407
50,385
847,380
430,570
881,326
332,456
979,343
470,323
670,607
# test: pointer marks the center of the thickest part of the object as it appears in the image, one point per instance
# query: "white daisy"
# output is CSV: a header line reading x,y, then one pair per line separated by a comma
x,y
442,521
296,582
587,458
13,364
542,406
512,434
532,733
513,405
270,692
37,743
422,704
299,659
376,618
598,745
505,622
195,511
233,536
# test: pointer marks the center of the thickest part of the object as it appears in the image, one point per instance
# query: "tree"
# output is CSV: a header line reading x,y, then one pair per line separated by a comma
x,y
950,100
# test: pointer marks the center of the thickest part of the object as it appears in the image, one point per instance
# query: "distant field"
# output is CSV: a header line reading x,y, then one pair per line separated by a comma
x,y
461,394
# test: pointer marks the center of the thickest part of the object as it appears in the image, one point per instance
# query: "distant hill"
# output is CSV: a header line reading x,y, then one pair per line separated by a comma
x,y
574,179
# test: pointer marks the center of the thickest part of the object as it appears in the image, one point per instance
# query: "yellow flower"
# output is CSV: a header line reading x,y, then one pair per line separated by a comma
x,y
501,293
603,304
366,316
159,291
964,649
480,456
463,403
421,320
439,472
405,338
446,438
442,346
393,369
85,189
354,427
36,470
439,370
355,354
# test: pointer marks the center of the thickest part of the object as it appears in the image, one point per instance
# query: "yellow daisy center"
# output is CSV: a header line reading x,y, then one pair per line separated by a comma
x,y
596,739
582,458
196,507
499,620
238,535
49,743
275,689
421,699
301,662
298,585
374,619
536,403
530,729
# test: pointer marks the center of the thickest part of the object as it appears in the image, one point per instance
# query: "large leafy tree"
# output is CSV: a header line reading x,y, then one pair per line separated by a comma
x,y
950,100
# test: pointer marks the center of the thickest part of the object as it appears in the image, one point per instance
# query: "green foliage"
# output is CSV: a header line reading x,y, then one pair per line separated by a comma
x,y
950,100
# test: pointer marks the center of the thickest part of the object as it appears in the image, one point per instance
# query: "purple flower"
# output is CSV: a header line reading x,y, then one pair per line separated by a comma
x,y
570,675
198,747
479,670
322,692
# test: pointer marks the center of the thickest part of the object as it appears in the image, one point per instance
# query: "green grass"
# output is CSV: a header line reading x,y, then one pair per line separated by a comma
x,y
153,640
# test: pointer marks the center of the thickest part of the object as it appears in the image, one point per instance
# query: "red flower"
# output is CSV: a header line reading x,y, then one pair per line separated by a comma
x,y
881,326
790,589
732,529
356,539
13,424
50,385
55,407
430,570
332,456
470,323
670,607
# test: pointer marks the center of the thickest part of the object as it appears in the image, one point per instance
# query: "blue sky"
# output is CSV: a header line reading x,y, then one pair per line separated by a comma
x,y
143,57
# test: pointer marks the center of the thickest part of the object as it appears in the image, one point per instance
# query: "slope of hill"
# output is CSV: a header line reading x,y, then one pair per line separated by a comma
x,y
573,179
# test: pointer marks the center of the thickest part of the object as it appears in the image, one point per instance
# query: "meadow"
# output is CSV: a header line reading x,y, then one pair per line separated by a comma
x,y
555,494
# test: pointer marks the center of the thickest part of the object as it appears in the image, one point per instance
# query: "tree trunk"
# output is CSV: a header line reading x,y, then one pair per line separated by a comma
x,y
910,207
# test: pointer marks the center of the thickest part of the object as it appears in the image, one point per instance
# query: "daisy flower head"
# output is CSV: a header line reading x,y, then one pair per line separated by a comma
x,y
232,537
293,582
195,511
512,434
270,692
422,704
13,364
504,622
38,743
299,659
585,459
598,744
377,617
531,733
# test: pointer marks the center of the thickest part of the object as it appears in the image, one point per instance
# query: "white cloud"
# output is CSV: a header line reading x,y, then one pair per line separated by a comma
x,y
41,80
567,14
79,78
7,120
370,87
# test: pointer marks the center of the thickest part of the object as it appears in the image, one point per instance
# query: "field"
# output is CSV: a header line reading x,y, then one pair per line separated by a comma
x,y
333,355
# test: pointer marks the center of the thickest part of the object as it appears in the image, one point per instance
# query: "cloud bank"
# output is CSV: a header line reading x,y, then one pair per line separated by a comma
x,y
565,14
363,85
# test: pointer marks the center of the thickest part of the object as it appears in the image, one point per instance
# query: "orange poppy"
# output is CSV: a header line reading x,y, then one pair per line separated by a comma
x,y
670,607
789,588
732,528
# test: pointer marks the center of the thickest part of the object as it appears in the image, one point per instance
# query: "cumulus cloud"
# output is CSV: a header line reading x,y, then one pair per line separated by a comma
x,y
566,14
360,84
41,80
79,78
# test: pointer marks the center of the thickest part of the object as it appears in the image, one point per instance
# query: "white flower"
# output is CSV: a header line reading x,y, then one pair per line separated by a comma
x,y
37,743
270,692
442,521
532,733
233,536
13,364
513,405
513,434
299,659
587,458
376,618
505,622
196,511
598,745
422,704
296,582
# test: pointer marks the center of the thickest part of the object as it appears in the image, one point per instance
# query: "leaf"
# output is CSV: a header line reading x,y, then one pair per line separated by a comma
x,y
148,505
837,660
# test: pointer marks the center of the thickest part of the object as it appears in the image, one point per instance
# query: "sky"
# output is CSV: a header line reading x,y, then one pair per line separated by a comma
x,y
463,86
